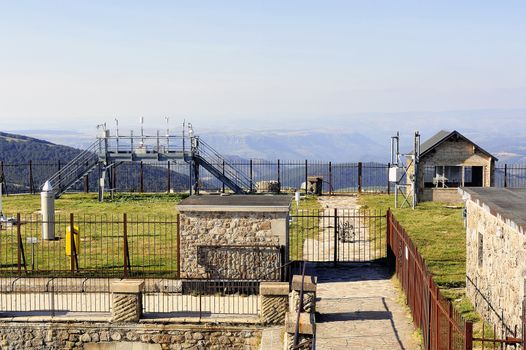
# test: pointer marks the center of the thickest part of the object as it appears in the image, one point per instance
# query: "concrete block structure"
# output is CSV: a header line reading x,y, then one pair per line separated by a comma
x,y
449,160
496,253
234,237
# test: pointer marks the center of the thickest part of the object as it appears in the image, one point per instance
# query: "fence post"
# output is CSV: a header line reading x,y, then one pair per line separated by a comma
x,y
31,176
141,178
468,340
222,183
20,250
126,251
449,328
330,178
388,183
251,179
306,177
505,175
279,177
168,184
335,236
359,177
73,252
86,184
59,174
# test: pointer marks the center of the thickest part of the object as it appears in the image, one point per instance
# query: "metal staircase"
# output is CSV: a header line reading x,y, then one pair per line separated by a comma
x,y
76,169
103,153
219,167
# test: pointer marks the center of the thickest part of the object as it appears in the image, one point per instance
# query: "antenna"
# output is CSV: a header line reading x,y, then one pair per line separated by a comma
x,y
404,170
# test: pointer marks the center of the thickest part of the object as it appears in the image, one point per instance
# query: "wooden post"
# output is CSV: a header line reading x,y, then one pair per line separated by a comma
x,y
330,178
223,184
141,179
86,184
21,257
73,255
251,179
31,176
505,175
279,177
126,251
359,177
59,174
168,184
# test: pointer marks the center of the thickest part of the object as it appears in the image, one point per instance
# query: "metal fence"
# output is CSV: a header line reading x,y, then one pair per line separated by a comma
x,y
442,326
162,298
176,176
102,245
337,235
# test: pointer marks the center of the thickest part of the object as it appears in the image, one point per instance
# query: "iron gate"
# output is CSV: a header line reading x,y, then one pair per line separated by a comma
x,y
337,235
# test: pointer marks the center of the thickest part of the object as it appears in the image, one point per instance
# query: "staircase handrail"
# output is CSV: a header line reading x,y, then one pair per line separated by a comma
x,y
79,159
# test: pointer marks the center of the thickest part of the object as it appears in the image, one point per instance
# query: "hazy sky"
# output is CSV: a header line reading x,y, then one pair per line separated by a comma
x,y
253,63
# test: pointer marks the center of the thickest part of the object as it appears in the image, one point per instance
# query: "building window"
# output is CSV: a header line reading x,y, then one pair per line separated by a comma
x,y
480,253
446,176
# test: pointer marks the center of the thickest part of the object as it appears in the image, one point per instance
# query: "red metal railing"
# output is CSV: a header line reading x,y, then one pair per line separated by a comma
x,y
441,325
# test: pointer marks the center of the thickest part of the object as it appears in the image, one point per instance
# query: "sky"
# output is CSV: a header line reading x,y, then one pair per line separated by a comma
x,y
262,64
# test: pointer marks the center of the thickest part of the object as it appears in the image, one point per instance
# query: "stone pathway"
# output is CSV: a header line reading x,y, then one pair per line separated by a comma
x,y
358,305
358,309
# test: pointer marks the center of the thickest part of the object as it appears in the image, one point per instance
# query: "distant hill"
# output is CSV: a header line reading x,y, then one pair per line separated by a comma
x,y
15,149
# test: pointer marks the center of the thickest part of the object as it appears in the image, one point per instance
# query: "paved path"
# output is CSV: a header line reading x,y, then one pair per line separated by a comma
x,y
358,309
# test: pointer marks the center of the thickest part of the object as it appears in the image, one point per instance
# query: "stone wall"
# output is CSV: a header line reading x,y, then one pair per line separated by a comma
x,y
495,284
452,153
85,335
199,228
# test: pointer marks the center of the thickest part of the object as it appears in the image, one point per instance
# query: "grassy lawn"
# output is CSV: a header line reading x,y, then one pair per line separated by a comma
x,y
151,230
305,228
131,203
439,233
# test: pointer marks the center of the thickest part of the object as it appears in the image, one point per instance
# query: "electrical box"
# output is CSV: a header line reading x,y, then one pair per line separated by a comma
x,y
395,174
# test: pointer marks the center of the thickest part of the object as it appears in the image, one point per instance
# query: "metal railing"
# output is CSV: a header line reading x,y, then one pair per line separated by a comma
x,y
105,245
442,326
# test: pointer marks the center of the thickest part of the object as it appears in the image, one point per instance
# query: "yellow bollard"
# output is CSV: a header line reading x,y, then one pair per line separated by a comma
x,y
75,238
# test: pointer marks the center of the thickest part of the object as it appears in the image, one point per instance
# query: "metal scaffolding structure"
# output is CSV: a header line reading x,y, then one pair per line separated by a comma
x,y
403,172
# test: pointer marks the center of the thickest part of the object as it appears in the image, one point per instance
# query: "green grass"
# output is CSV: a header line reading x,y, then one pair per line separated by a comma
x,y
439,234
151,229
130,203
304,228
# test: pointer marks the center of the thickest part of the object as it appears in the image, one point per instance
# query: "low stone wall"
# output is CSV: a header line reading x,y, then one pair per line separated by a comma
x,y
495,280
86,335
444,195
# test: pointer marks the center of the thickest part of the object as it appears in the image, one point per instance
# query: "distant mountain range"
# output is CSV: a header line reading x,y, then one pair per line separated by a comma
x,y
312,144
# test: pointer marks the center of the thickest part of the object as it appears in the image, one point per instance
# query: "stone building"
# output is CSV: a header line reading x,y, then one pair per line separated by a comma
x,y
449,160
234,237
496,253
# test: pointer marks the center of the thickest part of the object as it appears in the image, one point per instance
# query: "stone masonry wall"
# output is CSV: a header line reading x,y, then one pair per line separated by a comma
x,y
500,278
28,335
226,228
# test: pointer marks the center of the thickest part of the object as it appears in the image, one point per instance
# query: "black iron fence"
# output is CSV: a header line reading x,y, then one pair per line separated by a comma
x,y
176,176
89,245
337,235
